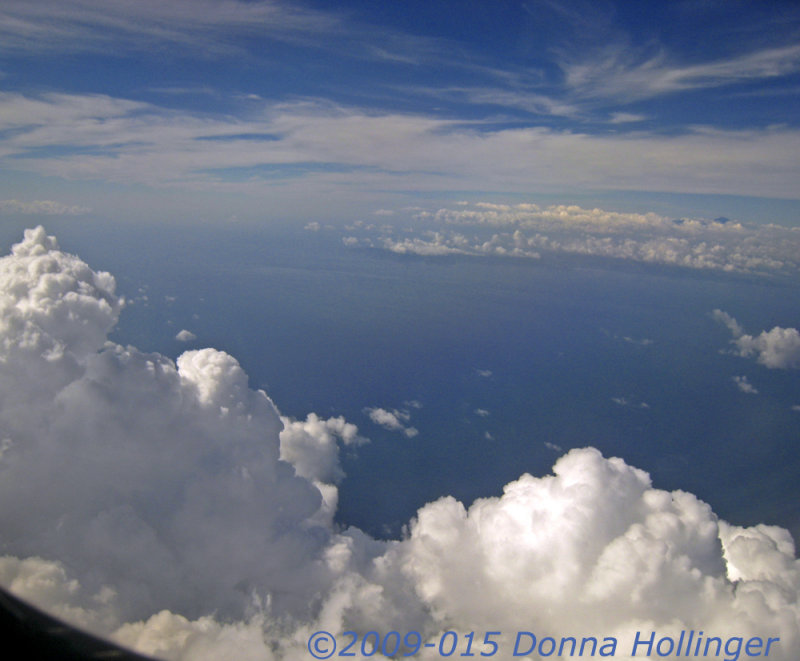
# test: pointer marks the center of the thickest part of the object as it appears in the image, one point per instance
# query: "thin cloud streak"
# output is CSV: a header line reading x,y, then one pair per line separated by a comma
x,y
88,26
616,75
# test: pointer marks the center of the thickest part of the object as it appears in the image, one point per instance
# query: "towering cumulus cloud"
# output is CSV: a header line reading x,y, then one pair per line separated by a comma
x,y
170,506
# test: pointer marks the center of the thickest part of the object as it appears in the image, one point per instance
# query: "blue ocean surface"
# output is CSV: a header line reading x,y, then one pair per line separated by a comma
x,y
501,364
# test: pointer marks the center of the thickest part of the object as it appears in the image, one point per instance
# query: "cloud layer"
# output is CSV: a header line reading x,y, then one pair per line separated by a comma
x,y
319,143
169,505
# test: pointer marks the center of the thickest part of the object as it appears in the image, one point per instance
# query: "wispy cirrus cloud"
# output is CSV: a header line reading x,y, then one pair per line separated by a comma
x,y
84,25
209,28
619,72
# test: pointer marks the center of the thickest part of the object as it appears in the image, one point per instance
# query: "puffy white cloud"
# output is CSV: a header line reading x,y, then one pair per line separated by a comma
x,y
170,506
594,549
312,447
778,348
393,420
185,336
138,472
743,384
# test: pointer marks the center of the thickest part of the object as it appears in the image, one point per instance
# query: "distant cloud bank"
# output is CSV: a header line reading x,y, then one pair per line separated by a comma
x,y
43,207
528,230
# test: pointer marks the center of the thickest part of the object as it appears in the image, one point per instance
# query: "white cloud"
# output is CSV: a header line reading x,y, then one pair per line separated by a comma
x,y
528,230
732,325
392,420
778,348
119,140
744,385
312,447
644,342
109,443
483,413
185,336
170,506
595,549
79,26
626,401
616,74
625,118
384,418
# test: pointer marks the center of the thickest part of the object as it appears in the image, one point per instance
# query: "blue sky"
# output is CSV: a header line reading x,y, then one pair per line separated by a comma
x,y
275,111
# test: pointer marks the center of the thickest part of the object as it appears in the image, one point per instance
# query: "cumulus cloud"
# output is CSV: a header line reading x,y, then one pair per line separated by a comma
x,y
136,471
778,348
596,549
312,447
627,401
743,384
529,230
185,336
393,420
170,506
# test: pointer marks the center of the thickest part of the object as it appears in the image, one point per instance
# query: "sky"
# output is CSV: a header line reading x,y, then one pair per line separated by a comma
x,y
256,253
222,110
